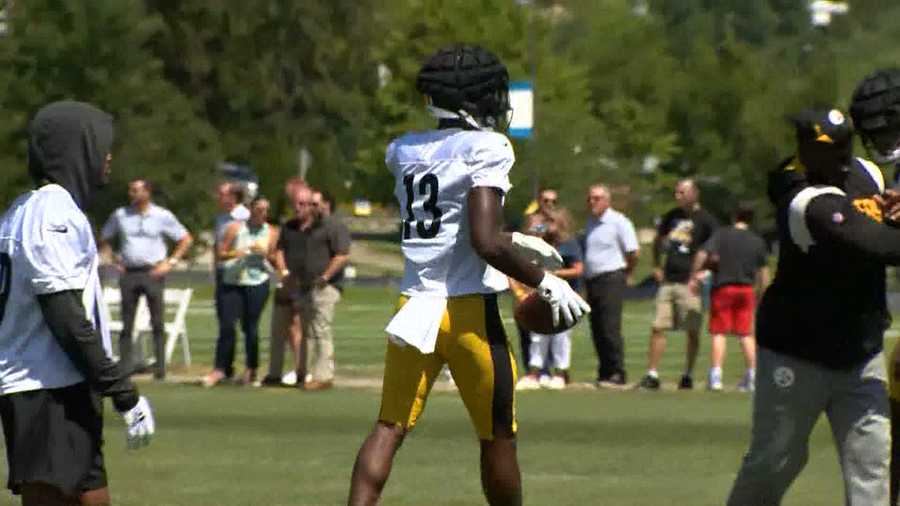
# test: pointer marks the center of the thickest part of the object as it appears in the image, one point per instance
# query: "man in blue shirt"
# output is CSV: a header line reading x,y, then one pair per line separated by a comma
x,y
610,253
141,229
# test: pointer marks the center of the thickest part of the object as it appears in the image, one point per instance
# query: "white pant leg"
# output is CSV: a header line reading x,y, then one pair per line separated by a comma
x,y
561,347
538,351
860,422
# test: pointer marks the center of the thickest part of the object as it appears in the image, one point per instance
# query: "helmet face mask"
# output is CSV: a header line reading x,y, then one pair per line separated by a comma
x,y
468,84
875,109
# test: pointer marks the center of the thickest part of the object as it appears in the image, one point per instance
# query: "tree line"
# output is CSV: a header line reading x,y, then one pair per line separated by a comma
x,y
633,93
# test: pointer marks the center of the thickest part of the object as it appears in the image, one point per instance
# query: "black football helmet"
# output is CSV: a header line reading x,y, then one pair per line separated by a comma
x,y
467,83
875,110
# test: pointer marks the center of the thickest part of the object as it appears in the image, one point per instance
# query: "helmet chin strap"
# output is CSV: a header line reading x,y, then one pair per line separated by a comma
x,y
440,113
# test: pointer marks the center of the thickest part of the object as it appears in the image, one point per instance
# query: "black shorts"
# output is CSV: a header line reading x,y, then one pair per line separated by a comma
x,y
54,437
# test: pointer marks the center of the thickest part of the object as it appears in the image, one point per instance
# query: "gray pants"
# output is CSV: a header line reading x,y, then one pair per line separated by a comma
x,y
790,395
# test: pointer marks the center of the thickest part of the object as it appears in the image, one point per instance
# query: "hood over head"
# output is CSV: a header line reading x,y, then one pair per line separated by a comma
x,y
67,144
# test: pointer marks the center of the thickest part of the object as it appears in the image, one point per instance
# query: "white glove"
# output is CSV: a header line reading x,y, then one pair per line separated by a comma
x,y
537,250
562,299
139,424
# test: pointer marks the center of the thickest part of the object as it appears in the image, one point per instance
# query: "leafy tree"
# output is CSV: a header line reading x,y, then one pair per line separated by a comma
x,y
94,52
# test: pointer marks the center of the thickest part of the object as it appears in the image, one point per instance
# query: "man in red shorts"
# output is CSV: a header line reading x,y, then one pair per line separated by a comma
x,y
737,257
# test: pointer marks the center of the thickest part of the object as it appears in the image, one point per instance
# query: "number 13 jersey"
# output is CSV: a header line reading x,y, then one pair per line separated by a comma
x,y
434,172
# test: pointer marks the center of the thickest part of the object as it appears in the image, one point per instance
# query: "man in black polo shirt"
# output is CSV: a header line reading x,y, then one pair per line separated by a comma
x,y
821,323
314,250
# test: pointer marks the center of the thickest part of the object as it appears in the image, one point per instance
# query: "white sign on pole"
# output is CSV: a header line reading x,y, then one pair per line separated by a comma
x,y
521,99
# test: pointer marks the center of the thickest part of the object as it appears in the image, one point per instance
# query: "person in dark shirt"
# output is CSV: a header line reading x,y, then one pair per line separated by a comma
x,y
680,234
738,259
821,323
874,108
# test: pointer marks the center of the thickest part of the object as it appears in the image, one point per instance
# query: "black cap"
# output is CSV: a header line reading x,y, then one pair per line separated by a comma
x,y
824,127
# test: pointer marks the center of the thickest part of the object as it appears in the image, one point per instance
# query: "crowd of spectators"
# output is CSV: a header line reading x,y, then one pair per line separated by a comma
x,y
300,255
694,260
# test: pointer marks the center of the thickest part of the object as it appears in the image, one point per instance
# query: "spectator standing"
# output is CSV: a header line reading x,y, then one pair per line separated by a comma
x,y
141,230
313,249
286,326
681,233
230,197
610,253
244,251
738,259
553,351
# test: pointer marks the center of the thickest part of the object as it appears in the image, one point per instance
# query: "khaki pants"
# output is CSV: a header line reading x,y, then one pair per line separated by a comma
x,y
317,313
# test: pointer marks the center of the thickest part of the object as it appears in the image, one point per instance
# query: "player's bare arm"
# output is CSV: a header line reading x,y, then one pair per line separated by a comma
x,y
485,213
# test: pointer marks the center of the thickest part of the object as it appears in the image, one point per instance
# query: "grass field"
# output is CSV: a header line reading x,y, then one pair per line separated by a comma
x,y
234,446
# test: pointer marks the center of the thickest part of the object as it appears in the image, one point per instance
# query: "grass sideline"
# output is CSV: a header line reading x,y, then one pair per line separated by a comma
x,y
233,446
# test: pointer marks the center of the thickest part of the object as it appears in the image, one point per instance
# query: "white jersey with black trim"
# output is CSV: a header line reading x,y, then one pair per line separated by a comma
x,y
46,246
434,172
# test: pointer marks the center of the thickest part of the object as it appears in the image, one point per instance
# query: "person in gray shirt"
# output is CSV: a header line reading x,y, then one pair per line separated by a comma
x,y
141,230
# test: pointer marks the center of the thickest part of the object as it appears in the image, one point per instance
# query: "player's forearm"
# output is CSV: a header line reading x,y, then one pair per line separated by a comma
x,y
485,216
501,256
64,314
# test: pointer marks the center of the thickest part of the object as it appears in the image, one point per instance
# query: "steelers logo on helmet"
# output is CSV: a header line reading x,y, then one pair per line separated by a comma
x,y
875,109
468,84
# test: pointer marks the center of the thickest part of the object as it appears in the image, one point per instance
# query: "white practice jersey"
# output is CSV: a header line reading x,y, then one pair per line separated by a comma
x,y
46,246
434,172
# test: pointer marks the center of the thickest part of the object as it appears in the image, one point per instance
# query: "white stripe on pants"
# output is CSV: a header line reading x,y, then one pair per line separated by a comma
x,y
559,345
790,395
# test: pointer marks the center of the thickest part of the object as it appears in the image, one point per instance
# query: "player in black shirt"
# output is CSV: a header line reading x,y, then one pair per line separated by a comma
x,y
822,321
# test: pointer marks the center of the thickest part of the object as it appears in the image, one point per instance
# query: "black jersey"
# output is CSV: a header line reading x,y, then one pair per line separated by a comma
x,y
827,303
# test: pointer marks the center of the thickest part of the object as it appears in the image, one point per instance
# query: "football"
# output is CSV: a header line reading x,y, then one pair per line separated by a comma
x,y
533,314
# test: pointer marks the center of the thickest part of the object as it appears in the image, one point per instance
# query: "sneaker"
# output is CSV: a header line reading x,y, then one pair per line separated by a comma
x,y
649,383
557,382
544,381
714,383
528,382
270,381
747,383
686,383
290,378
616,380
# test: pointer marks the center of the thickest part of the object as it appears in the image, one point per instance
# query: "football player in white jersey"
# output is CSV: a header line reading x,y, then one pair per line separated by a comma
x,y
450,183
54,345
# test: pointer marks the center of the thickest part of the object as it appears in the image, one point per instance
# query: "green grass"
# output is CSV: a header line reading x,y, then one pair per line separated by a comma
x,y
233,446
